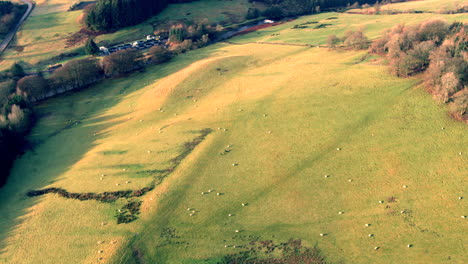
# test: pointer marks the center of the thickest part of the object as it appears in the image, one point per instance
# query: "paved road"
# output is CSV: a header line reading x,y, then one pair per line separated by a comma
x,y
9,36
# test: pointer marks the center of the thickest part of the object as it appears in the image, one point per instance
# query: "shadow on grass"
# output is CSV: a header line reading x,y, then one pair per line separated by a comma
x,y
60,149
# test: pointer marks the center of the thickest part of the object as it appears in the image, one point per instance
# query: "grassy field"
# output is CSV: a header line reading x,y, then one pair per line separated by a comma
x,y
45,33
290,115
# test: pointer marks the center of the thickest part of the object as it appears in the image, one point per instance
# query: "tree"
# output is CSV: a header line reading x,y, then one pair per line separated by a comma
x,y
121,62
32,88
252,13
91,47
332,41
76,74
159,54
356,40
17,71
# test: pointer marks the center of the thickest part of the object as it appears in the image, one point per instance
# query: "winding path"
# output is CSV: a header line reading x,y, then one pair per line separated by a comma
x,y
11,34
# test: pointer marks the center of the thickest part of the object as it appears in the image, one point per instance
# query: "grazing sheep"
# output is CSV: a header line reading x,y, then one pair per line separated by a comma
x,y
100,251
350,180
409,245
100,242
381,202
264,114
141,120
443,128
219,128
340,213
405,186
229,214
103,223
322,234
463,216
326,176
188,209
191,214
269,132
149,151
218,194
243,204
237,231
202,192
376,248
127,182
225,130
367,224
370,235
210,190
102,175
403,211
117,184
460,198
101,178
193,211
226,246
338,148
234,164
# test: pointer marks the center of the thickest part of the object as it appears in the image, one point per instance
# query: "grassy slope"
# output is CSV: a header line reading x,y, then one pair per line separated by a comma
x,y
389,131
44,34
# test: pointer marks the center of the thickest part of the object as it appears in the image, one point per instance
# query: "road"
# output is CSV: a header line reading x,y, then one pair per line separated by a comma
x,y
11,34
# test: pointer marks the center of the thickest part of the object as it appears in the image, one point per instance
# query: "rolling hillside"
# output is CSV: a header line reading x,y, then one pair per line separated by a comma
x,y
304,141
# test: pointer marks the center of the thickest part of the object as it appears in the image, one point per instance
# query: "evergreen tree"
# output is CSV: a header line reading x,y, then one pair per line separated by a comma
x,y
91,47
17,71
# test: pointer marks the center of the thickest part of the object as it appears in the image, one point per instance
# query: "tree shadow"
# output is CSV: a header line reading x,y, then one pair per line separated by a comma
x,y
61,145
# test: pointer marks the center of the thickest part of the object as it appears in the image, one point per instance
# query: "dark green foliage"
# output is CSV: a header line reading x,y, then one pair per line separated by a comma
x,y
129,212
273,12
10,14
17,71
114,14
91,47
177,34
252,13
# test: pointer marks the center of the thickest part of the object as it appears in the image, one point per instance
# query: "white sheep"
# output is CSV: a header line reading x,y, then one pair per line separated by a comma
x,y
367,224
370,235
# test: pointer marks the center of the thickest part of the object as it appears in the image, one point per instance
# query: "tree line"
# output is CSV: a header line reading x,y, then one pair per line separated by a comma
x,y
10,14
115,14
439,52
